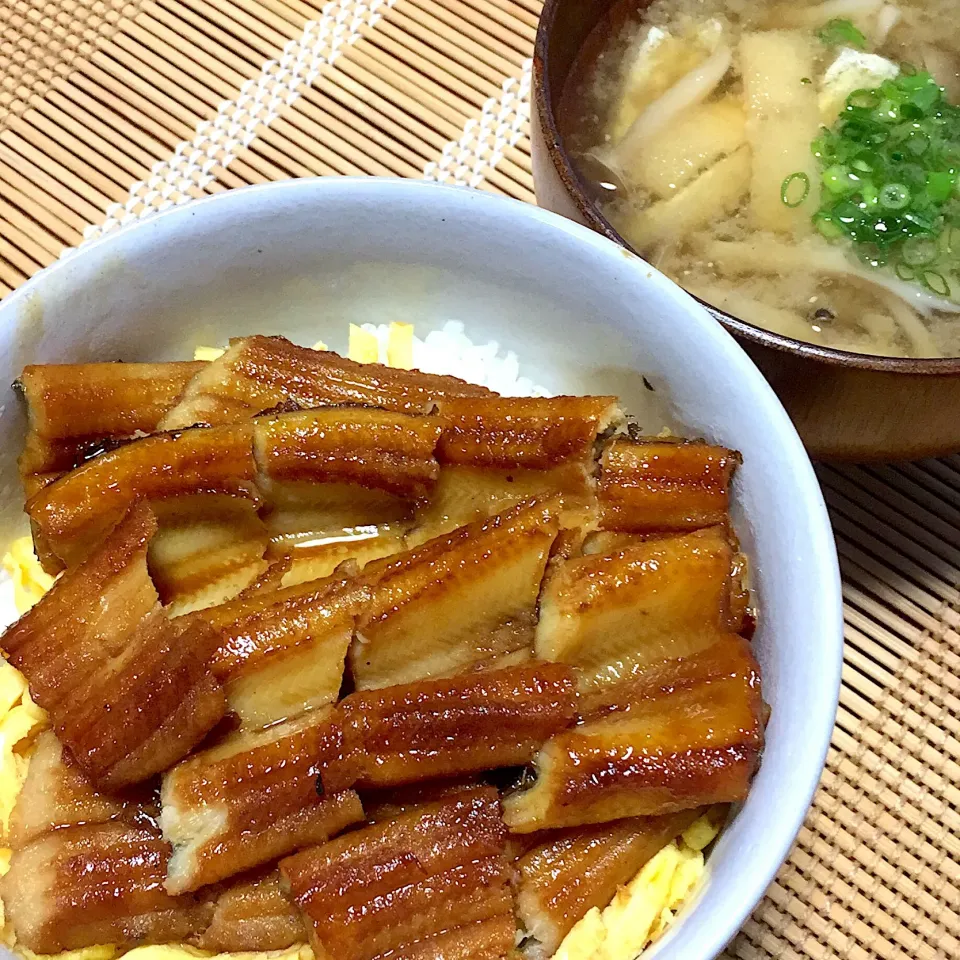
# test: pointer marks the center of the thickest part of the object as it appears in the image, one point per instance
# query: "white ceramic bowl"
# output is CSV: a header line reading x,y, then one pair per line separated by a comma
x,y
303,258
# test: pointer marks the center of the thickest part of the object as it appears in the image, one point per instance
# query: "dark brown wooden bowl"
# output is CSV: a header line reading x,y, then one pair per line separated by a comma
x,y
845,405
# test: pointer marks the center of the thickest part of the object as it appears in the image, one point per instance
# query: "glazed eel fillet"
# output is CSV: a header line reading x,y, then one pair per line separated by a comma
x,y
308,474
74,513
327,470
256,914
396,888
129,692
72,408
470,723
572,871
259,373
253,914
208,548
341,484
282,651
390,802
463,598
612,614
87,867
497,451
254,798
56,794
648,485
94,884
355,547
493,453
491,939
681,734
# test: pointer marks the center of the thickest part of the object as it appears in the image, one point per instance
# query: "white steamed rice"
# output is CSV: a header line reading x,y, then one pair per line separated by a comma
x,y
450,351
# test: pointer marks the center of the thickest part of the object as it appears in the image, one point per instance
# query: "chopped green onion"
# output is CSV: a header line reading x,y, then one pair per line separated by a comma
x,y
950,242
919,251
872,255
890,174
905,272
887,110
936,282
869,194
940,184
847,212
863,100
910,112
827,227
791,194
918,144
894,196
839,32
840,180
805,80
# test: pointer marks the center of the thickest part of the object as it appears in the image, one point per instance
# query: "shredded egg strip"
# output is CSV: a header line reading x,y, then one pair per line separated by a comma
x,y
20,721
30,580
363,346
639,913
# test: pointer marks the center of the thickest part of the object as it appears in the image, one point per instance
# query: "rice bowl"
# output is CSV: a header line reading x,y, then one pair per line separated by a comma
x,y
191,277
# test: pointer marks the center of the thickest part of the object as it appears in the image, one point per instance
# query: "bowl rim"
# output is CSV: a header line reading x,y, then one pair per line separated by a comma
x,y
766,853
576,188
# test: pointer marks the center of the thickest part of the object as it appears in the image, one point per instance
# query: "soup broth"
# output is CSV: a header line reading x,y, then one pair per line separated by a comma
x,y
795,164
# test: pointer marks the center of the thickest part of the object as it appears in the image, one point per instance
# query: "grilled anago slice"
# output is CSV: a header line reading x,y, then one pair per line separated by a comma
x,y
429,871
74,407
492,939
466,495
466,724
253,914
498,451
689,733
730,656
129,691
326,471
364,447
253,798
282,652
460,599
535,433
56,794
259,373
664,485
95,884
146,707
613,614
355,547
99,400
207,550
74,513
574,870
389,803
607,542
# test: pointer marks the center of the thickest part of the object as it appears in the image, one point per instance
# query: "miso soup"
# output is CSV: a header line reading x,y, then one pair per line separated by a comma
x,y
794,164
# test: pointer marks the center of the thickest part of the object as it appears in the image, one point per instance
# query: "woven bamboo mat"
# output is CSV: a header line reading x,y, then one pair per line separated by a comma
x,y
112,109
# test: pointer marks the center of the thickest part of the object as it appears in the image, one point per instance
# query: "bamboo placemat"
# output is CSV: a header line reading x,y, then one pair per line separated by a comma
x,y
112,109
